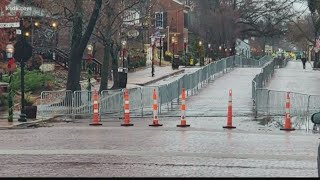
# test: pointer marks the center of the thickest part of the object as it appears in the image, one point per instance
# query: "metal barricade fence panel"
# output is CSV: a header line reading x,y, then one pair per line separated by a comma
x,y
83,103
172,89
202,74
314,104
147,99
229,62
164,98
238,61
262,101
254,87
163,94
193,78
180,86
277,103
186,81
219,66
111,102
55,103
135,99
299,104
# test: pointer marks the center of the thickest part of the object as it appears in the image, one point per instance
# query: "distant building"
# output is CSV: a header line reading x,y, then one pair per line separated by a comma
x,y
268,50
243,48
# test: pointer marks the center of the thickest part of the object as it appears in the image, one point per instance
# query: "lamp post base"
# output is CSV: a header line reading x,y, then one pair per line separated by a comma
x,y
22,118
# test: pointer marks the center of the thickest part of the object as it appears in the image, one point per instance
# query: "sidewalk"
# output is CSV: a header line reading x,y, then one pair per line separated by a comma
x,y
143,77
135,79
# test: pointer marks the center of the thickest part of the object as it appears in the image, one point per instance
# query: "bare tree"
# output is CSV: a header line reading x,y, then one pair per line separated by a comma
x,y
110,30
227,20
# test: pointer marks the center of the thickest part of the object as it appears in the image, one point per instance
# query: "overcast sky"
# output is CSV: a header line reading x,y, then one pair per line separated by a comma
x,y
301,7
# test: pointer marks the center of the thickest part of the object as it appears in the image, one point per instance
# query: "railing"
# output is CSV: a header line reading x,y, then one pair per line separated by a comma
x,y
266,74
111,101
249,62
62,58
273,103
141,98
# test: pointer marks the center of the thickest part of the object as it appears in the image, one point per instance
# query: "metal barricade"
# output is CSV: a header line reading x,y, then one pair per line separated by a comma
x,y
111,103
273,103
164,98
136,102
55,103
147,100
313,104
83,104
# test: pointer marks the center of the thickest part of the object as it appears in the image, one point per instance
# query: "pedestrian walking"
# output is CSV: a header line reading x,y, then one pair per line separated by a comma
x,y
304,60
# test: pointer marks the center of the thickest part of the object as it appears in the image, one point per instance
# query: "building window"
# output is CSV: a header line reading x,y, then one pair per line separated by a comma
x,y
159,20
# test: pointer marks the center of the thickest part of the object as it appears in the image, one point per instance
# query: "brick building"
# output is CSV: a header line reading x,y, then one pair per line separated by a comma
x,y
171,17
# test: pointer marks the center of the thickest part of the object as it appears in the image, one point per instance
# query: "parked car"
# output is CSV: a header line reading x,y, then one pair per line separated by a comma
x,y
315,118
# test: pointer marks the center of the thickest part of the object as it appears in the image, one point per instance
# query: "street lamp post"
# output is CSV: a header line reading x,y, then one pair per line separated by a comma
x,y
172,42
200,53
209,51
54,26
220,51
89,65
152,56
124,42
173,60
123,72
22,64
185,41
11,67
161,44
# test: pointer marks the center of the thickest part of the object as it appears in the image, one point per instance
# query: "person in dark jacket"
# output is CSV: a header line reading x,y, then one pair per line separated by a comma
x,y
304,60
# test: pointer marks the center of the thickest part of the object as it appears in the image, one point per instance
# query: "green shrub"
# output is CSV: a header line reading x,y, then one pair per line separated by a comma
x,y
136,64
34,81
142,63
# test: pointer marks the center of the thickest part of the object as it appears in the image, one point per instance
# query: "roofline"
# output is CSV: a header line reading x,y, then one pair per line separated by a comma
x,y
178,2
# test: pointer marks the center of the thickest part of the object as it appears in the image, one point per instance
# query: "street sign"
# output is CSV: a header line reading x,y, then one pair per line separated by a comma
x,y
18,31
133,33
9,25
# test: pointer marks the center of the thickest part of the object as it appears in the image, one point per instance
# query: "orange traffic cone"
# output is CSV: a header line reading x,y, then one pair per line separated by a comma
x,y
95,110
155,110
229,122
287,126
183,110
126,109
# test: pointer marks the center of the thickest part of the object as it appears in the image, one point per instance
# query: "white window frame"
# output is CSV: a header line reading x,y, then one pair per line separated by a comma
x,y
156,20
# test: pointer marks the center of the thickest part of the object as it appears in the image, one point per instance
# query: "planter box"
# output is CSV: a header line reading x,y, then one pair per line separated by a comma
x,y
31,112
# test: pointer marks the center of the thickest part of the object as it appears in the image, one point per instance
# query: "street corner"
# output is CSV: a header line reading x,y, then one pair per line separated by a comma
x,y
6,125
46,122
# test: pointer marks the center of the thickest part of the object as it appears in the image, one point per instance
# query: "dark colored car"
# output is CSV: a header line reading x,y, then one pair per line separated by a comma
x,y
315,118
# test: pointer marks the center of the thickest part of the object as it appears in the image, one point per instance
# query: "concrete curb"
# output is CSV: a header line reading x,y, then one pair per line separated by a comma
x,y
161,78
22,125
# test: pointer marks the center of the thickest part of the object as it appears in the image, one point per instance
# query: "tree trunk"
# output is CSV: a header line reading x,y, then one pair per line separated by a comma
x,y
114,55
105,65
74,62
79,43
